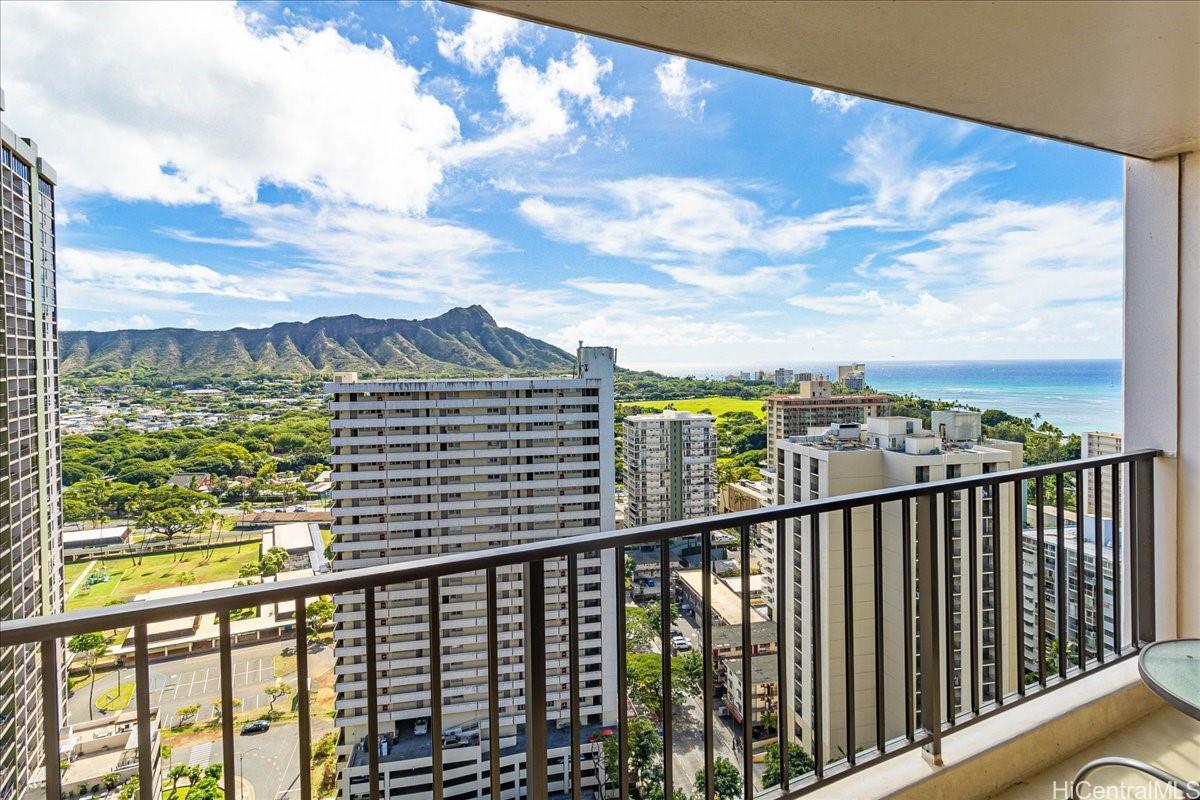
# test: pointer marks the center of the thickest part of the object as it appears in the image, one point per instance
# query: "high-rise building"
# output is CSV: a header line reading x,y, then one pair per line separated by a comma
x,y
1030,592
30,479
1099,443
852,376
814,405
784,376
886,452
670,467
423,468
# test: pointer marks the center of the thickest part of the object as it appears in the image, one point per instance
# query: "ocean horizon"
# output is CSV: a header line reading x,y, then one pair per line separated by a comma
x,y
1077,395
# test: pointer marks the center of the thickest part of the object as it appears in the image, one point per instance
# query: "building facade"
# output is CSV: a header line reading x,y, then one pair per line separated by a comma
x,y
887,452
814,405
30,479
1030,595
852,376
1099,443
670,467
428,467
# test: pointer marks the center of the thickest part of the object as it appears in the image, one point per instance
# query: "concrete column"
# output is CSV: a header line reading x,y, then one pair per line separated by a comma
x,y
1188,516
1162,368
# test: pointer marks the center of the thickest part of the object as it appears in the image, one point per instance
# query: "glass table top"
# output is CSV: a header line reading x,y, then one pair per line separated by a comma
x,y
1172,670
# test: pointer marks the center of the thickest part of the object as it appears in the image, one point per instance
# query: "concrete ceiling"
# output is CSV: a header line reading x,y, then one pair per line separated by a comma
x,y
1121,76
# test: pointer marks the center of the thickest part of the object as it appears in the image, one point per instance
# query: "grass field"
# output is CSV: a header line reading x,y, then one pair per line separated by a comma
x,y
713,405
125,580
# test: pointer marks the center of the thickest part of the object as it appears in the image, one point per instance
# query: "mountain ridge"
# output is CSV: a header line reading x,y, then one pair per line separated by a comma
x,y
462,341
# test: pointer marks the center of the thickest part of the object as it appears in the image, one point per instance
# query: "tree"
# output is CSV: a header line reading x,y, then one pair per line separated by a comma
x,y
727,781
1051,655
645,755
250,570
205,789
130,789
214,770
170,510
273,561
110,780
88,645
216,706
188,712
275,692
169,522
319,613
687,673
653,614
177,773
639,631
799,763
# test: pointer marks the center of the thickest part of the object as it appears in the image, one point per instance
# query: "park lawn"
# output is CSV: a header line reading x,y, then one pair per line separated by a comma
x,y
112,700
714,405
159,571
73,571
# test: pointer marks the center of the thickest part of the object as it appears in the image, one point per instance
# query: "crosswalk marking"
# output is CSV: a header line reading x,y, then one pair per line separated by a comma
x,y
200,755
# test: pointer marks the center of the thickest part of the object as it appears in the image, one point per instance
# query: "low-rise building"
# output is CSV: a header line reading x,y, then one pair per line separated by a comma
x,y
199,481
96,537
102,754
725,596
764,687
813,404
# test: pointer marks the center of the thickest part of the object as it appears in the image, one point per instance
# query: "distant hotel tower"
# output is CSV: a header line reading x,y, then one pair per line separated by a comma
x,y
31,572
670,467
885,452
422,468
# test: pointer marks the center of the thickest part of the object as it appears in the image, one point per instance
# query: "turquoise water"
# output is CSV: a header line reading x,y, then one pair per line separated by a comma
x,y
1076,396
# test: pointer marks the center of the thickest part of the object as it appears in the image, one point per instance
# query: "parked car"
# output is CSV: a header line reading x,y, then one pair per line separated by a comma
x,y
299,508
257,726
288,651
421,727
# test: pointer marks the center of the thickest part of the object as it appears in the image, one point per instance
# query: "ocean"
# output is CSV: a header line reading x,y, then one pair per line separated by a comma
x,y
1076,396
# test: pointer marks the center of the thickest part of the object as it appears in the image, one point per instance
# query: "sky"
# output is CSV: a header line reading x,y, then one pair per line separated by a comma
x,y
227,165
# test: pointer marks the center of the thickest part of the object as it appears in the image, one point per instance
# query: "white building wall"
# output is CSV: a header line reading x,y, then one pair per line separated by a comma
x,y
428,467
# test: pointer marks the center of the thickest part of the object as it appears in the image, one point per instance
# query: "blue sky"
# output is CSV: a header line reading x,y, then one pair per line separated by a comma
x,y
226,165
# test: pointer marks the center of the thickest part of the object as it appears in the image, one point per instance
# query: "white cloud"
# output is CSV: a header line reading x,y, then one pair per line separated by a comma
x,y
884,160
537,103
345,250
220,105
680,91
135,272
991,284
759,280
835,101
136,322
221,241
480,43
680,219
864,303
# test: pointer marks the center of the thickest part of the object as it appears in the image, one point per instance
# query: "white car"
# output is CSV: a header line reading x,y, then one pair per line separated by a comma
x,y
421,727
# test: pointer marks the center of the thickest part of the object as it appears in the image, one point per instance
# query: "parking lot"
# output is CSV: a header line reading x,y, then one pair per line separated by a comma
x,y
267,760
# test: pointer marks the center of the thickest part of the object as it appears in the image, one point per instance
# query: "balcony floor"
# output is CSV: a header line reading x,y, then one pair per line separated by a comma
x,y
1166,738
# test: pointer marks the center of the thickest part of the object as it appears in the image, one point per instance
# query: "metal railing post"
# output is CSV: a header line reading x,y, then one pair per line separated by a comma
x,y
535,680
930,677
1141,545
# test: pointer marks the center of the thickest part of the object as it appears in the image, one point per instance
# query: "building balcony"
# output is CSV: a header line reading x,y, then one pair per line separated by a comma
x,y
523,704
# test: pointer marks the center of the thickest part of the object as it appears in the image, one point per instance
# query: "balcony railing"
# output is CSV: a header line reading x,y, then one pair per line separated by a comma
x,y
930,625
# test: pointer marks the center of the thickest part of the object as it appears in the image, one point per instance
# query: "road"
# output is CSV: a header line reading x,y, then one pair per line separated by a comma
x,y
268,760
